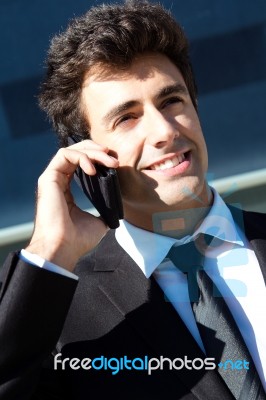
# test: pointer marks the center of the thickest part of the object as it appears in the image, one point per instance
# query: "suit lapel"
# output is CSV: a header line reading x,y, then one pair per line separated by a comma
x,y
153,317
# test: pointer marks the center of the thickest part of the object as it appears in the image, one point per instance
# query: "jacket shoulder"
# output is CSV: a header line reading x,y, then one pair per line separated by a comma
x,y
253,222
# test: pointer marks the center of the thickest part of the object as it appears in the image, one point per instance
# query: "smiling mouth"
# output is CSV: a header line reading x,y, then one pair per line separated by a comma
x,y
170,162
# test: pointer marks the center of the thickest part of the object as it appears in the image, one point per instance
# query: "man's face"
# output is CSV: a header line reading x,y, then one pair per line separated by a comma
x,y
145,116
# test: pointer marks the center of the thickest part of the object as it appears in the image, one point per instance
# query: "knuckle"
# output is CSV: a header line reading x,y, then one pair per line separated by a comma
x,y
61,152
85,159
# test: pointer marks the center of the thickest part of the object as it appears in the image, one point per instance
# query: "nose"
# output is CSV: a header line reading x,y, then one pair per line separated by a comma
x,y
160,131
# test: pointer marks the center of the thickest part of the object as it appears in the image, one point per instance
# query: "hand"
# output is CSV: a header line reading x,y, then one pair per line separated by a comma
x,y
62,231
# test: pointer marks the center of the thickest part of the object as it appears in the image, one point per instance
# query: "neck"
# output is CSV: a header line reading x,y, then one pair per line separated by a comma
x,y
173,222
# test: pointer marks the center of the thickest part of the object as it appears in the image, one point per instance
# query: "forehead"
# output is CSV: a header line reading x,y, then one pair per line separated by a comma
x,y
143,68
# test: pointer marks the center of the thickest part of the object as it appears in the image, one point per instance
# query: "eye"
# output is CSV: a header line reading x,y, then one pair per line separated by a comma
x,y
124,120
172,100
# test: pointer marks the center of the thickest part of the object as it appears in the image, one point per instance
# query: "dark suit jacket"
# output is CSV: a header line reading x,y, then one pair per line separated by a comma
x,y
113,311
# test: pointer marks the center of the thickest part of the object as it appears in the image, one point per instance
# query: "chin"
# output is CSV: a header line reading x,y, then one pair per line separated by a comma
x,y
191,193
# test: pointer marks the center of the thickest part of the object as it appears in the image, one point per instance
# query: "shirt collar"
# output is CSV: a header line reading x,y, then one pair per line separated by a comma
x,y
148,249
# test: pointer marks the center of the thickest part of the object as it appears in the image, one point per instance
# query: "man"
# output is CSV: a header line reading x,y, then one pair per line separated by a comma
x,y
85,310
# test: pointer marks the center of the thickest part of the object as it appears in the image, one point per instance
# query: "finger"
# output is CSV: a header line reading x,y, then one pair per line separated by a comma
x,y
66,160
88,144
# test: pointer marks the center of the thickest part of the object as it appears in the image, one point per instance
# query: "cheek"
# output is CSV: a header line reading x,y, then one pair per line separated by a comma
x,y
194,131
191,123
127,149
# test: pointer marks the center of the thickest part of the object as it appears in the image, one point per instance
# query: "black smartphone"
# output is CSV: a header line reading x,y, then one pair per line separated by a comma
x,y
102,190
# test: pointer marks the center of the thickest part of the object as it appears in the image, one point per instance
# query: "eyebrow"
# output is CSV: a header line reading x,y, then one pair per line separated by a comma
x,y
177,88
117,110
165,91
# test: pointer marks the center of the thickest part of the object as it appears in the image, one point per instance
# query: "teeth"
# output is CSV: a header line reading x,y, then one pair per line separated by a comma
x,y
181,158
173,162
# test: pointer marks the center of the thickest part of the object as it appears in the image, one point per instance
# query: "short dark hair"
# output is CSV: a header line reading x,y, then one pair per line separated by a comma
x,y
113,35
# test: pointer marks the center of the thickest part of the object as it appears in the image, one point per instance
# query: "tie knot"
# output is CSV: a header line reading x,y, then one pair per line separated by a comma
x,y
190,255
